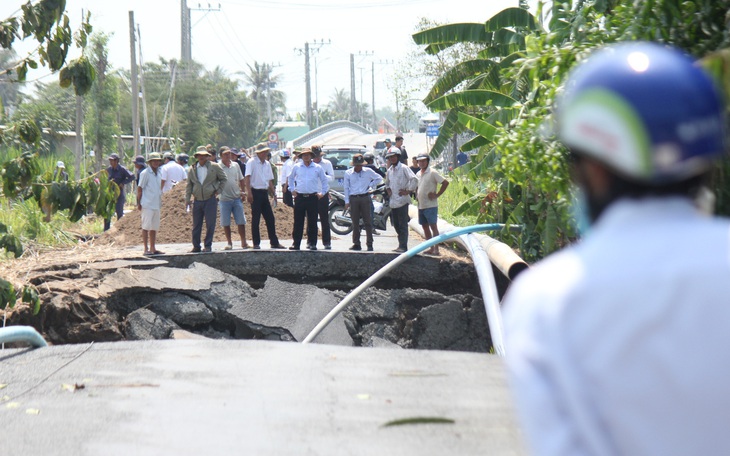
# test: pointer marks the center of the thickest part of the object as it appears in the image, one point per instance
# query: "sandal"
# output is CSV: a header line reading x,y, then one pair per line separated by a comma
x,y
228,247
158,252
147,253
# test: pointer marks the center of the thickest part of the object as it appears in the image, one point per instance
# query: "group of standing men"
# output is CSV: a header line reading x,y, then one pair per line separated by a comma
x,y
400,183
305,182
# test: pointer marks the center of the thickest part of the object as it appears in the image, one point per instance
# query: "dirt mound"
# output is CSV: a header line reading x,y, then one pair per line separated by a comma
x,y
176,224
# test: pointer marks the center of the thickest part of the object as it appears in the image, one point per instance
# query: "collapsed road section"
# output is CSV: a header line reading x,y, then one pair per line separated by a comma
x,y
428,303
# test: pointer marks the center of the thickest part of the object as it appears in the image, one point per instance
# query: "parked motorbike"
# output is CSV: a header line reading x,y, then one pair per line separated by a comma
x,y
340,220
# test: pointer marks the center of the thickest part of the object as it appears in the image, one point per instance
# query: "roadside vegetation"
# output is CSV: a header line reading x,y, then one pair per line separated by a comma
x,y
504,95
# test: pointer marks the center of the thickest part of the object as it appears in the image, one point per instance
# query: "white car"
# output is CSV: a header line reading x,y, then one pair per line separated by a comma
x,y
341,158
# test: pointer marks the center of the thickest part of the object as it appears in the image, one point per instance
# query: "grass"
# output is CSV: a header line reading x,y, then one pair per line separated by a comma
x,y
454,197
25,220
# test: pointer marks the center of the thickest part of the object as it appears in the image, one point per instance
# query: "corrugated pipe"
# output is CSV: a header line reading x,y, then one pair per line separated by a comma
x,y
26,334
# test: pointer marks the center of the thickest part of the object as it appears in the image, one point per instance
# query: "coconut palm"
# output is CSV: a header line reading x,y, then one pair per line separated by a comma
x,y
261,81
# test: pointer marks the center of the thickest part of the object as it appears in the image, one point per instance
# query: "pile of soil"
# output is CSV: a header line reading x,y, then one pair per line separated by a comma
x,y
176,224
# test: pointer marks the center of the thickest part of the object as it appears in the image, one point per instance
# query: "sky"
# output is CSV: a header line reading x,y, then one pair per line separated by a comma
x,y
232,34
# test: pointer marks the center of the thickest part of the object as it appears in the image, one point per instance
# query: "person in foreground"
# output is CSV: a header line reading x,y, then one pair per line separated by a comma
x,y
149,203
618,345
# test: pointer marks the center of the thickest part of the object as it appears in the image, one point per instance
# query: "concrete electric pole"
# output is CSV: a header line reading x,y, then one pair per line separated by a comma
x,y
186,39
316,45
135,89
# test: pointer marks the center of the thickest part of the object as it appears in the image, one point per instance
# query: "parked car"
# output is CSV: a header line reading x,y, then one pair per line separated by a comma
x,y
341,157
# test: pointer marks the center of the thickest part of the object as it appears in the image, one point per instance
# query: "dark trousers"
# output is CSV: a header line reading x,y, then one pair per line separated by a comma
x,y
400,223
262,206
361,206
204,210
323,209
119,209
305,205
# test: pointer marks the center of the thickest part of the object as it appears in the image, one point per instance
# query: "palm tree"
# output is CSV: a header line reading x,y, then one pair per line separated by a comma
x,y
261,81
339,104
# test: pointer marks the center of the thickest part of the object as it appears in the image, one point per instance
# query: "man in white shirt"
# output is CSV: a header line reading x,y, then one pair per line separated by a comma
x,y
400,182
427,195
149,202
286,168
231,199
357,183
308,184
172,173
323,206
618,345
259,185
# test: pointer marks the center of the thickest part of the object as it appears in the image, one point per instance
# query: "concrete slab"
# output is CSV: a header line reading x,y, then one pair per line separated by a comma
x,y
193,397
197,277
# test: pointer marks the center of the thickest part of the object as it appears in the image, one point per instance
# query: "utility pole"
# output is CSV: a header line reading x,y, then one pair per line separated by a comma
x,y
185,32
362,104
353,102
186,38
380,62
135,89
79,152
307,79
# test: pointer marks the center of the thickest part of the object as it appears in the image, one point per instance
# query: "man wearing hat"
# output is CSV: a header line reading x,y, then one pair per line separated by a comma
x,y
139,166
235,158
286,168
172,172
231,198
259,185
60,172
120,176
323,206
400,182
358,181
308,184
149,202
427,194
205,181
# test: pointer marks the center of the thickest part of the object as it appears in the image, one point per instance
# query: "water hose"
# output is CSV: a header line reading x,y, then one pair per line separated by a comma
x,y
26,334
391,265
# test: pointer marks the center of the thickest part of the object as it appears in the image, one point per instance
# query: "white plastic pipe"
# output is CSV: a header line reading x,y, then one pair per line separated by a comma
x,y
391,265
487,284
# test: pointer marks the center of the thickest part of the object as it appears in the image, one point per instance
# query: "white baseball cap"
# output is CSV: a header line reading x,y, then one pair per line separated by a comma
x,y
60,164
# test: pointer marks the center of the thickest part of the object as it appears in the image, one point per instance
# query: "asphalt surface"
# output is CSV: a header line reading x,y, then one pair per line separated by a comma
x,y
194,397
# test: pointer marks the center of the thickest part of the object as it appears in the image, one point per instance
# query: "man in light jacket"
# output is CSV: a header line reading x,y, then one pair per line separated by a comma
x,y
205,181
400,182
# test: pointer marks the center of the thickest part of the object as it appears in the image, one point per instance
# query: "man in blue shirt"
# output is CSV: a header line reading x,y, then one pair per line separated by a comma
x,y
358,181
120,176
308,184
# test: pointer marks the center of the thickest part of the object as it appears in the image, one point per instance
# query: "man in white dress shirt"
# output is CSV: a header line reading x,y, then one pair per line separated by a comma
x,y
618,345
323,206
259,186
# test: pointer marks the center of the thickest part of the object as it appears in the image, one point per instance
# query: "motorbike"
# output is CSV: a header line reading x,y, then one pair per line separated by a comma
x,y
340,220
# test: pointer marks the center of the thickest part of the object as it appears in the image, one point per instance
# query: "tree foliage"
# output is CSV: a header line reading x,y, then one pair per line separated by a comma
x,y
505,97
